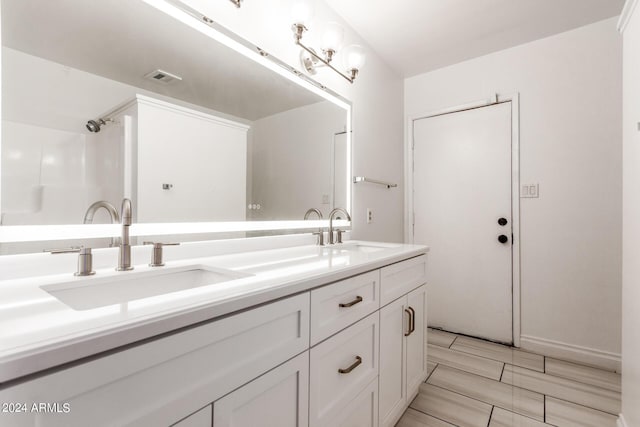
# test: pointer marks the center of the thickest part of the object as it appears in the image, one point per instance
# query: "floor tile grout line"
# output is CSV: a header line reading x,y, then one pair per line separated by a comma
x,y
544,365
497,360
454,340
575,403
544,372
482,401
431,415
564,377
434,369
567,379
490,415
517,349
576,381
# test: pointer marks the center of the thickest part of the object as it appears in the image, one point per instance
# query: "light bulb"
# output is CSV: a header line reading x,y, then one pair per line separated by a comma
x,y
354,57
332,37
301,12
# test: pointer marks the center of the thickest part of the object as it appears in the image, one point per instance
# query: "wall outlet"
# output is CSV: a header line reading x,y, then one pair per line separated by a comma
x,y
530,191
369,216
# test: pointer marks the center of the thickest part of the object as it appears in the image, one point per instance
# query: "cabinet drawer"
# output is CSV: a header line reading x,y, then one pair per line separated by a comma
x,y
160,382
341,367
336,306
399,279
361,411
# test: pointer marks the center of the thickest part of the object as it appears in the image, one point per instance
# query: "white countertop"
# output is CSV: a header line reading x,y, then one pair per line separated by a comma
x,y
37,331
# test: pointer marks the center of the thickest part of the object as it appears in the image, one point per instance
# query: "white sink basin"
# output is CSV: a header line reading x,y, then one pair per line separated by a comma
x,y
94,292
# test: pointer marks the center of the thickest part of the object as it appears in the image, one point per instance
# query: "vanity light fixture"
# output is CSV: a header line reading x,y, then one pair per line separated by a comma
x,y
354,56
238,3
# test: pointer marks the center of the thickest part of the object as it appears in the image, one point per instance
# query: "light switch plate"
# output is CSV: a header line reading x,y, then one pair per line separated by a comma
x,y
530,191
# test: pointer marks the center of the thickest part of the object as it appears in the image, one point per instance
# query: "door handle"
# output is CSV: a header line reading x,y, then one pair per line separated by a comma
x,y
352,303
409,330
503,239
353,366
413,320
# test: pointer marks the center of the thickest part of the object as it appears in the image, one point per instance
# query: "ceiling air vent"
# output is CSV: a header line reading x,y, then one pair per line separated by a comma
x,y
162,76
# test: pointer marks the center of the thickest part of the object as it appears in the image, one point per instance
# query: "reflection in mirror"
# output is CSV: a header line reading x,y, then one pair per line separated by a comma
x,y
112,99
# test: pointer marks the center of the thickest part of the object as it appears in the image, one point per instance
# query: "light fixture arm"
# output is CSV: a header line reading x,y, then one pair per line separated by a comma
x,y
238,3
324,61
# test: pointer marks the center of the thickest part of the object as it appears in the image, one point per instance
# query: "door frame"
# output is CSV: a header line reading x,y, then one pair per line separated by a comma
x,y
409,220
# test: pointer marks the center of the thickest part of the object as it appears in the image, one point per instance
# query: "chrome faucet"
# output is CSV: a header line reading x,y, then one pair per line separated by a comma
x,y
124,249
338,238
318,233
113,213
313,211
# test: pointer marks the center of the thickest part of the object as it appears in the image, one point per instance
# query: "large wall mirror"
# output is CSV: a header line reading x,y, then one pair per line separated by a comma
x,y
109,99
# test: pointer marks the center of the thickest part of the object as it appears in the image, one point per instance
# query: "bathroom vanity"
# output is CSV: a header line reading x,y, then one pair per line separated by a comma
x,y
305,335
256,331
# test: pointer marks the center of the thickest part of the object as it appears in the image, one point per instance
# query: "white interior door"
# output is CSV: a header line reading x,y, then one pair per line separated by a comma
x,y
462,190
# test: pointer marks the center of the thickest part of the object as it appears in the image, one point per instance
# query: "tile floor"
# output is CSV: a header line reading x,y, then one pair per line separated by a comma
x,y
477,383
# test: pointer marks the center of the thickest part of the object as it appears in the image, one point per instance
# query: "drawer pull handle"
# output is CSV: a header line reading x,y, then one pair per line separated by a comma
x,y
413,320
352,367
352,303
406,310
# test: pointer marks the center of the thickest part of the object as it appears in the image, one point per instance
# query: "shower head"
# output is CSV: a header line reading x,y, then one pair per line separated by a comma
x,y
95,125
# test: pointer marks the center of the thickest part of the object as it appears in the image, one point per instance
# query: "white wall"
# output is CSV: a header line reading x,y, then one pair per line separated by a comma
x,y
292,161
376,97
570,120
631,224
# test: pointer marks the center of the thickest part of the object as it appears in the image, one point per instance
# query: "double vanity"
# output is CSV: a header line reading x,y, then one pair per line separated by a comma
x,y
252,329
291,336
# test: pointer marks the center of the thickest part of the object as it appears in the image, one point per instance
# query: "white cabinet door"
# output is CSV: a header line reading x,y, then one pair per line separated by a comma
x,y
202,418
393,390
279,398
416,341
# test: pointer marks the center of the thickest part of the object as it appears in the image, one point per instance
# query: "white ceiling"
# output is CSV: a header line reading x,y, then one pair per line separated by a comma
x,y
124,40
416,36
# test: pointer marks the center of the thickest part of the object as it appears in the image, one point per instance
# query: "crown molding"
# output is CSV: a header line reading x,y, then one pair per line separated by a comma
x,y
627,13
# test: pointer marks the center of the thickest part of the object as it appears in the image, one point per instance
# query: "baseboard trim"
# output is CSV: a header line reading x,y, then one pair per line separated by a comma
x,y
590,356
621,422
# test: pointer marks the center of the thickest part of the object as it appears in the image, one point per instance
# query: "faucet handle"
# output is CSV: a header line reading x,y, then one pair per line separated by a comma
x,y
85,262
156,253
69,250
320,235
85,259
